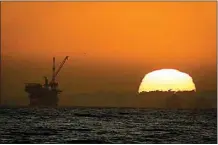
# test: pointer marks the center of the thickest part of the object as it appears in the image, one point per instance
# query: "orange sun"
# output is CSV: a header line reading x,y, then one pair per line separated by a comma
x,y
165,80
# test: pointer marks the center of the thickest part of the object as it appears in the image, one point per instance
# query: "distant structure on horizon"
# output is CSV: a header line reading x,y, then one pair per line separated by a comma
x,y
168,92
170,99
45,95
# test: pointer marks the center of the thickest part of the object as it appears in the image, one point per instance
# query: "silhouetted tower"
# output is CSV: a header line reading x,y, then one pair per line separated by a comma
x,y
53,82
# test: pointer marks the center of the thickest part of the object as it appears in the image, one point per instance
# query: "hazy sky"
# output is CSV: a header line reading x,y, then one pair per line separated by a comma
x,y
111,45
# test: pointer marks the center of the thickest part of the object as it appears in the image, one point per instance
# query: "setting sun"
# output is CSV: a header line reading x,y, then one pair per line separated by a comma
x,y
165,80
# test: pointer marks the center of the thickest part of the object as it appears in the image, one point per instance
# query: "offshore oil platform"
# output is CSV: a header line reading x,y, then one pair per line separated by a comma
x,y
45,95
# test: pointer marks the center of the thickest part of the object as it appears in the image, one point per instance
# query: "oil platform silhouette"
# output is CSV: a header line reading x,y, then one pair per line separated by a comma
x,y
45,95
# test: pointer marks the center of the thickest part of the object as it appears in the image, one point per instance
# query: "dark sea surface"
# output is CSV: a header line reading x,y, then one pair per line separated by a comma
x,y
107,125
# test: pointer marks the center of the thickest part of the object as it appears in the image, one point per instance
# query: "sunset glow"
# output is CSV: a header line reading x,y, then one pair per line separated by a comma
x,y
112,46
165,80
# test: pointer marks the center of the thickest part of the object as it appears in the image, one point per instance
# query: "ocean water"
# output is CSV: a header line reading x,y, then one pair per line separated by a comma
x,y
107,125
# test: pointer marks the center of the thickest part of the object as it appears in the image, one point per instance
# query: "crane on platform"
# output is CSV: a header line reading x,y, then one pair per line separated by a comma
x,y
53,84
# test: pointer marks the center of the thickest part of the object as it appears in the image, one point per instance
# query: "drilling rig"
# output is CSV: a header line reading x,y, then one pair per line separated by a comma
x,y
45,94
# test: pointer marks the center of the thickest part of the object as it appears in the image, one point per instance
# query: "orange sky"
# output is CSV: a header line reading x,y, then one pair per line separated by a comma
x,y
122,40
